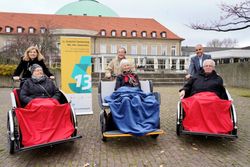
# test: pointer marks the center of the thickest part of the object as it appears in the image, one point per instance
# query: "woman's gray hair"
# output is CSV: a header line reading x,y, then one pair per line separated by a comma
x,y
123,62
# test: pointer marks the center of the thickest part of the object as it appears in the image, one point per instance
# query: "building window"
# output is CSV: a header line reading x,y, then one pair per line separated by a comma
x,y
113,33
133,49
7,43
153,34
103,48
124,33
163,50
163,34
144,50
103,33
20,29
124,46
113,48
31,30
8,29
43,30
153,50
173,50
133,34
144,34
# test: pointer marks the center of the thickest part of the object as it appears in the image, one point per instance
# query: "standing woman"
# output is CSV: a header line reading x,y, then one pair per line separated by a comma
x,y
31,56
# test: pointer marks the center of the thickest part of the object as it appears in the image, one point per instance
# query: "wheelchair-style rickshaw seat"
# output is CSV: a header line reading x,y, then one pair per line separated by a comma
x,y
15,133
17,94
106,88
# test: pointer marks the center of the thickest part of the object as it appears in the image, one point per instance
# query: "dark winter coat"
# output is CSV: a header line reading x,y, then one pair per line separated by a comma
x,y
31,89
122,81
23,68
203,82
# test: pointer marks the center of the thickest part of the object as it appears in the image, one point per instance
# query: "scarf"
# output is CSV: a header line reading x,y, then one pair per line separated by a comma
x,y
129,77
38,80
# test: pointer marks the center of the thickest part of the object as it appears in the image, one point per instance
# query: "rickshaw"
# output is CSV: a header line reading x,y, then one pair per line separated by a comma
x,y
180,129
14,132
106,88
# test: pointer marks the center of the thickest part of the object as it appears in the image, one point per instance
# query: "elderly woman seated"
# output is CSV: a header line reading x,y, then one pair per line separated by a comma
x,y
133,111
205,108
38,86
43,119
127,77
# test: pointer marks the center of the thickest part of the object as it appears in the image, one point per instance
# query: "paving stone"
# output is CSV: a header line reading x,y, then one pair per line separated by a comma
x,y
166,151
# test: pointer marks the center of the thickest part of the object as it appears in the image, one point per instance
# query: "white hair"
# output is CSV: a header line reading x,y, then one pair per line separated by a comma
x,y
211,61
123,62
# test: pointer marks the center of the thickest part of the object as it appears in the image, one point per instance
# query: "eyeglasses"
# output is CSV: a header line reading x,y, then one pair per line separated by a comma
x,y
198,49
208,66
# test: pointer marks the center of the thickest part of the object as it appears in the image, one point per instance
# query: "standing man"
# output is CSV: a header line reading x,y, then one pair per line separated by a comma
x,y
197,61
113,67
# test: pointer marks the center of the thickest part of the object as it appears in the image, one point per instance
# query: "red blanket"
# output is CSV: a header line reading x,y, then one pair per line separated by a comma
x,y
206,112
44,120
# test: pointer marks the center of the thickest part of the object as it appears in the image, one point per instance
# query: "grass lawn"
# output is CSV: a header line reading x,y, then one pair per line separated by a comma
x,y
240,91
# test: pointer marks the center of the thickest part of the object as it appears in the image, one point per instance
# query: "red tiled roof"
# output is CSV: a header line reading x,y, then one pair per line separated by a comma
x,y
94,23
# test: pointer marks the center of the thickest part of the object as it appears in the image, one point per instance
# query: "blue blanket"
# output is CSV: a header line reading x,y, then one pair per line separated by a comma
x,y
134,111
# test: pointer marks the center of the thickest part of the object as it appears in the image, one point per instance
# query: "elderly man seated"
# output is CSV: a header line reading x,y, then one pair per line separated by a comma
x,y
205,108
206,80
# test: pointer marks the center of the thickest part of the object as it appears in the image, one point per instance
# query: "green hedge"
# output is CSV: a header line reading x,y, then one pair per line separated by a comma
x,y
7,70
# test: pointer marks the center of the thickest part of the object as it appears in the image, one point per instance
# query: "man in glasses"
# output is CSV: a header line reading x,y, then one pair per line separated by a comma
x,y
197,61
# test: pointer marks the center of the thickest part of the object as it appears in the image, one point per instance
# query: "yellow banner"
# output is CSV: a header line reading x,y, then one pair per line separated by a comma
x,y
73,50
76,73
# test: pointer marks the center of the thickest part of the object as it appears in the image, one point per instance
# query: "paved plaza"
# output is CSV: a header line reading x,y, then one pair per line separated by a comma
x,y
166,150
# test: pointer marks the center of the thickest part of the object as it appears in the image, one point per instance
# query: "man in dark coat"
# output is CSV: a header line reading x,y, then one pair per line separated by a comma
x,y
197,61
206,80
38,86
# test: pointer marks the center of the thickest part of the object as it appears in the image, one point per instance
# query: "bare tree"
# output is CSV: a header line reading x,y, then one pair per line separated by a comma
x,y
214,43
235,17
45,41
229,43
226,43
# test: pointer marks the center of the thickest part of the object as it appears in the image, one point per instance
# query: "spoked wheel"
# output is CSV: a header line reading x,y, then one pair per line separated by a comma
x,y
178,129
103,125
74,133
104,139
154,136
234,132
10,142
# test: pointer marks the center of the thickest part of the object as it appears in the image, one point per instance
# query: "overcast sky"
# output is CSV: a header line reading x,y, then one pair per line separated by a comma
x,y
173,14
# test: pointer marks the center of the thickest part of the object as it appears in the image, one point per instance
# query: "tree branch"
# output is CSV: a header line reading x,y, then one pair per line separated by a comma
x,y
236,17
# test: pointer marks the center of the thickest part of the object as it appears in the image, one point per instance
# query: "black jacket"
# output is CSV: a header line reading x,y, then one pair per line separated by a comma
x,y
202,83
31,89
23,68
120,81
